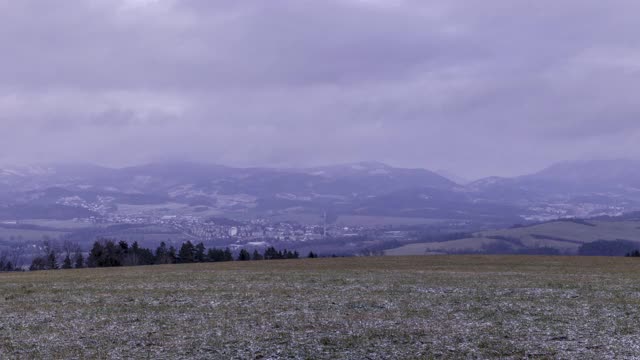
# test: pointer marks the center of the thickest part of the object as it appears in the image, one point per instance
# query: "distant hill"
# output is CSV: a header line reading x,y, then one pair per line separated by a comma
x,y
53,212
567,237
575,189
595,173
569,189
341,189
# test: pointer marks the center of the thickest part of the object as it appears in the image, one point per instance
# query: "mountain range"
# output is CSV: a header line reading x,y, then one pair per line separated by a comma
x,y
580,189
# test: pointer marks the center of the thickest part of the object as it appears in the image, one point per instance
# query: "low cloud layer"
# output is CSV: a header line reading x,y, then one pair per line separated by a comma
x,y
494,87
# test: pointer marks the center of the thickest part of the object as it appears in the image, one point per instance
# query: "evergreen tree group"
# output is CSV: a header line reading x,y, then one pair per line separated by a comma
x,y
272,254
634,253
109,253
49,259
6,265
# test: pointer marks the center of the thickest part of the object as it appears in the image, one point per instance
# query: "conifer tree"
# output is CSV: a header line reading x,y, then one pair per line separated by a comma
x,y
200,255
186,253
66,264
244,255
52,262
228,255
79,260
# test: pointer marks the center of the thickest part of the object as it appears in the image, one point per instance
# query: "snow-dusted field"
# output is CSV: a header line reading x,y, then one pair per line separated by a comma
x,y
352,308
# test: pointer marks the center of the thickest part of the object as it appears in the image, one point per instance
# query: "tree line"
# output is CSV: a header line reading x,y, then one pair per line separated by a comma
x,y
634,253
11,259
109,253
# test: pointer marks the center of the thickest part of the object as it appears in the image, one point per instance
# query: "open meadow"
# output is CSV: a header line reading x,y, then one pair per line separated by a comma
x,y
564,236
418,307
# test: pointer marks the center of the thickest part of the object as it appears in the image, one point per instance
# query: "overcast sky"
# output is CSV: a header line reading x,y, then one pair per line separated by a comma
x,y
491,87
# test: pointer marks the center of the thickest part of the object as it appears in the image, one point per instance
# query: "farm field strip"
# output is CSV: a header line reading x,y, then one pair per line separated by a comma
x,y
353,308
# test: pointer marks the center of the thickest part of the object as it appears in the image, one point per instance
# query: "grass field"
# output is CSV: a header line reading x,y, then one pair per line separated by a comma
x,y
564,236
348,308
598,230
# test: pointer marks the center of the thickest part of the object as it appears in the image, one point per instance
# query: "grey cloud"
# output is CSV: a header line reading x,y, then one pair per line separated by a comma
x,y
494,87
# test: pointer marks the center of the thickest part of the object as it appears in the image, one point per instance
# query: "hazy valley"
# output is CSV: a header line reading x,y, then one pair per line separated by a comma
x,y
349,209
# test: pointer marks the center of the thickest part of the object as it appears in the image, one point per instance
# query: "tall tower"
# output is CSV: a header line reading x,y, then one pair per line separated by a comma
x,y
324,225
